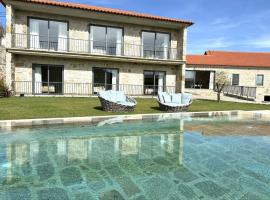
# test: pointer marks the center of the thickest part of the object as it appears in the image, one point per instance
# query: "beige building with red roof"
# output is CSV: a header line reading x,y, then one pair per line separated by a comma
x,y
249,73
64,48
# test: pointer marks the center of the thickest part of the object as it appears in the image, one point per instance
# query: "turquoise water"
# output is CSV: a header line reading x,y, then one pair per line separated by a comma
x,y
201,158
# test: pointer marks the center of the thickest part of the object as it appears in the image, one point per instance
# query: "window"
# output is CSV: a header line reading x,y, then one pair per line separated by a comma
x,y
199,79
47,79
106,40
154,82
235,79
155,45
48,34
190,79
105,79
259,79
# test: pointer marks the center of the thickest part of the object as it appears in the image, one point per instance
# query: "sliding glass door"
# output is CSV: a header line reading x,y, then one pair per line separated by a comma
x,y
155,45
105,40
48,34
162,45
148,40
154,82
105,79
38,37
48,79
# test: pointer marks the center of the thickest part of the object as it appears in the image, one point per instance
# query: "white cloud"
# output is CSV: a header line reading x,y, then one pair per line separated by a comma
x,y
262,42
209,44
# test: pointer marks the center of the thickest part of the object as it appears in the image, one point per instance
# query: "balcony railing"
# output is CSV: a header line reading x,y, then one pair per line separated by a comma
x,y
84,89
240,91
63,44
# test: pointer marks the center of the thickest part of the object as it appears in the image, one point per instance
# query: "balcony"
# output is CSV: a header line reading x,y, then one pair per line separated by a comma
x,y
85,89
240,91
91,47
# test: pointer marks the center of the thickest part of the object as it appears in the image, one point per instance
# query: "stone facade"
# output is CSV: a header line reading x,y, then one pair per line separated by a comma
x,y
247,76
2,61
80,71
79,28
78,67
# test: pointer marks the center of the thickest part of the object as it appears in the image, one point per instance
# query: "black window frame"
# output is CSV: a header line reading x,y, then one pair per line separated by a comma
x,y
105,83
106,27
48,20
262,79
237,79
156,32
34,65
164,81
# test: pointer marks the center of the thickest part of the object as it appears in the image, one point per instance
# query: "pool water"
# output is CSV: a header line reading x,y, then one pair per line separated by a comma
x,y
167,159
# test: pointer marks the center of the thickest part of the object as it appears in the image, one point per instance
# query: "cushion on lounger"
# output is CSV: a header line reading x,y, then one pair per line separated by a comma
x,y
176,98
186,97
113,96
120,96
104,95
167,98
160,96
116,96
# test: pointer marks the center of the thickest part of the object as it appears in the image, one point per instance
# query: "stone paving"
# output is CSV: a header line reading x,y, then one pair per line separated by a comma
x,y
158,163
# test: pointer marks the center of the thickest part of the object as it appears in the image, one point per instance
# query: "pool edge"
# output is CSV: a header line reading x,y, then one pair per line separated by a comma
x,y
92,119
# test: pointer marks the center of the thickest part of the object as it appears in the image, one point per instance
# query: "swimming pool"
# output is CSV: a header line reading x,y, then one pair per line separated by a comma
x,y
224,156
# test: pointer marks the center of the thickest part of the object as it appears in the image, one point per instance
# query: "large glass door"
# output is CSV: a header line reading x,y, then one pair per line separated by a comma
x,y
105,40
105,79
48,79
155,45
48,34
154,82
114,41
148,40
162,45
38,35
98,39
58,36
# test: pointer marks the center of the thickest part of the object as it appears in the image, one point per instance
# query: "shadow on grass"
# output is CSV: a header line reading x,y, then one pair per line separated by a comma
x,y
155,108
98,108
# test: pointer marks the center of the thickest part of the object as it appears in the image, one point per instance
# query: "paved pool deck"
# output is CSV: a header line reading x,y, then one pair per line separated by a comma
x,y
6,124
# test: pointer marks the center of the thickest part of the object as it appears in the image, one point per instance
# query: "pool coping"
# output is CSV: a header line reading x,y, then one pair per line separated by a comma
x,y
97,119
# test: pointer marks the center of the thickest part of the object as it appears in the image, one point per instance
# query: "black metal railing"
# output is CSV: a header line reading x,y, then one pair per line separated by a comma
x,y
240,91
64,44
84,89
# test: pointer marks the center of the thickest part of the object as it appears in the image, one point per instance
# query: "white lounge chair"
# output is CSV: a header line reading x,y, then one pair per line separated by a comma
x,y
174,102
116,101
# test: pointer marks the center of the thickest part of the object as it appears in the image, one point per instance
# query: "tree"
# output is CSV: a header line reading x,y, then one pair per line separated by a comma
x,y
2,31
221,80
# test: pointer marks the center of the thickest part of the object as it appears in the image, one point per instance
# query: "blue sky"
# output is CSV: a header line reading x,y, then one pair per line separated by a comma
x,y
240,25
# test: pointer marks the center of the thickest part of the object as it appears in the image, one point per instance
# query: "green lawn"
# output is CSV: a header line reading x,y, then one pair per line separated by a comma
x,y
44,107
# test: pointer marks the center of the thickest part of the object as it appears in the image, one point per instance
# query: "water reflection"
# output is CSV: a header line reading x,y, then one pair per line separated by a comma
x,y
28,158
152,159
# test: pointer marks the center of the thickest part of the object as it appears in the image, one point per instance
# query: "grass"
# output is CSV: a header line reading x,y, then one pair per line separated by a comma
x,y
45,107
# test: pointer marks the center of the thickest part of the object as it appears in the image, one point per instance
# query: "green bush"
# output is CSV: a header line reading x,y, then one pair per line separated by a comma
x,y
4,89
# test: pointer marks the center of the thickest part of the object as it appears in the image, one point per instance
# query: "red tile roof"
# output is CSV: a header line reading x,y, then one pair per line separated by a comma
x,y
229,58
105,10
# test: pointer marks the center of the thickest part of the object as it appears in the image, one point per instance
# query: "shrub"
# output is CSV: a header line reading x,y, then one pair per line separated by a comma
x,y
4,89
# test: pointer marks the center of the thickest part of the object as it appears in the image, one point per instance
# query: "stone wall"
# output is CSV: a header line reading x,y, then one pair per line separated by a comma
x,y
80,71
247,76
79,29
2,61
